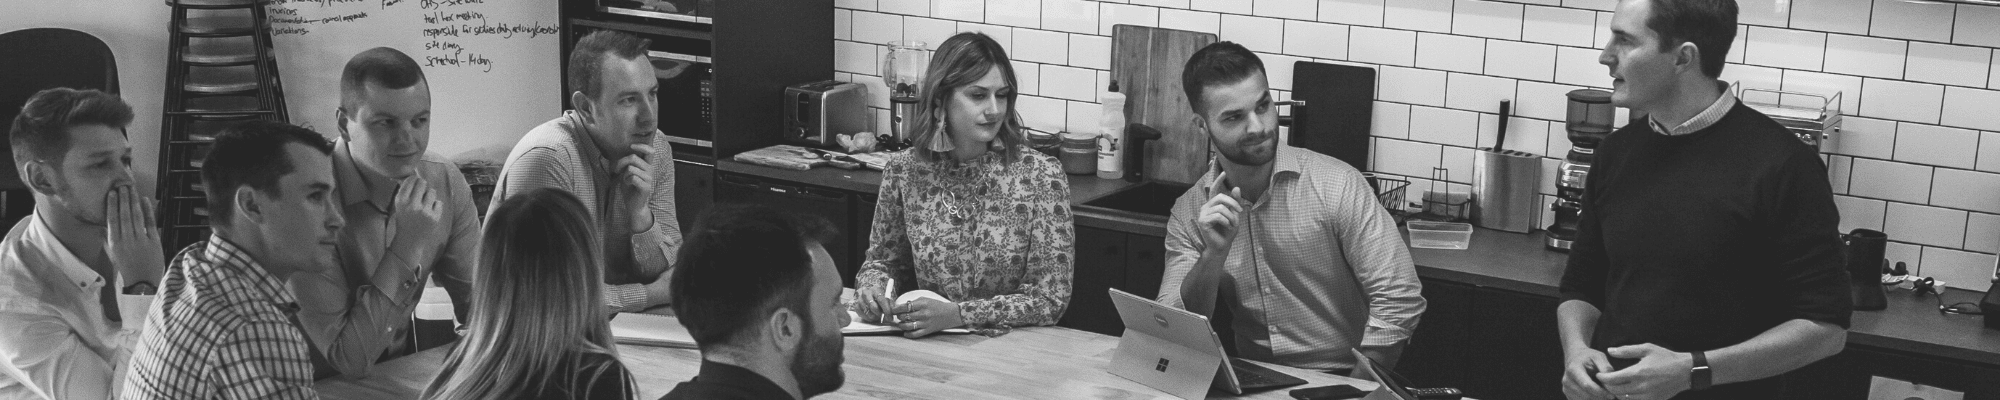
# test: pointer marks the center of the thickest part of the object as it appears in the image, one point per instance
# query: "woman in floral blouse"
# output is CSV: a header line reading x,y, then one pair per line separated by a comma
x,y
967,213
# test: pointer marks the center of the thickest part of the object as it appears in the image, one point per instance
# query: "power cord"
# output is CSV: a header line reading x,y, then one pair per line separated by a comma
x,y
1931,286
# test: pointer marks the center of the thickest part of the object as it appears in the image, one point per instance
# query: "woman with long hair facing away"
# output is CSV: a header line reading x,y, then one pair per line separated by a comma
x,y
537,328
968,214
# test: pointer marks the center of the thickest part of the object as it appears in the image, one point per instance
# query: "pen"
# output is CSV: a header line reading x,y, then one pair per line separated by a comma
x,y
888,290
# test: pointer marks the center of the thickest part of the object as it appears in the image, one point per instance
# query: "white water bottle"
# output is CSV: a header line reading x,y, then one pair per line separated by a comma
x,y
1111,134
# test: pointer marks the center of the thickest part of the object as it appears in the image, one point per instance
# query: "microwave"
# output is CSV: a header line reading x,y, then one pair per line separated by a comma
x,y
696,11
687,97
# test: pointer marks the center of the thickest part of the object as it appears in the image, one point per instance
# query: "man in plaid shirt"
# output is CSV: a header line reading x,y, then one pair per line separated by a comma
x,y
223,325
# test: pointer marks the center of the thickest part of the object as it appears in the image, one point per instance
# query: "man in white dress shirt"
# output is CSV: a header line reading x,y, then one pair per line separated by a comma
x,y
77,275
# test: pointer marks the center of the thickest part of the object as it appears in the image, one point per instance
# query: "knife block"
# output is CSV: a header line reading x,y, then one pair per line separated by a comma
x,y
1504,185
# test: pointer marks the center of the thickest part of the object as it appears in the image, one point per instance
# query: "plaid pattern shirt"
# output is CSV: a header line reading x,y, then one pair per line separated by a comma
x,y
561,154
222,328
1316,267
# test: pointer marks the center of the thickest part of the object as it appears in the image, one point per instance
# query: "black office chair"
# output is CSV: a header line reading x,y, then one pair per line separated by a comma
x,y
42,58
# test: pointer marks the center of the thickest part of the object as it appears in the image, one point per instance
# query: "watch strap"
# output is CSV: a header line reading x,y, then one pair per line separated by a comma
x,y
1700,377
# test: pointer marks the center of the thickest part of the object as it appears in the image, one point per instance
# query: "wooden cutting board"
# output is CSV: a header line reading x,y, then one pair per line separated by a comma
x,y
1147,64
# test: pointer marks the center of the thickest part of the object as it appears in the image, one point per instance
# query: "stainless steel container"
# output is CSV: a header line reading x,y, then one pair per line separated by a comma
x,y
1504,185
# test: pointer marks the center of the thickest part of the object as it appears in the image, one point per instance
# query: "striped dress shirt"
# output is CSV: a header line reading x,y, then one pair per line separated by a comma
x,y
561,154
222,328
1316,266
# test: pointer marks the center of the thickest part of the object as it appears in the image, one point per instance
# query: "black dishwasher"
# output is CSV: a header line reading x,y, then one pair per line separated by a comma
x,y
828,204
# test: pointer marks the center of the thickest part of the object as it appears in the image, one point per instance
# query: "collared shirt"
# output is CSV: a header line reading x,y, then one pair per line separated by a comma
x,y
718,381
1700,121
996,237
222,328
58,341
360,311
1313,263
561,154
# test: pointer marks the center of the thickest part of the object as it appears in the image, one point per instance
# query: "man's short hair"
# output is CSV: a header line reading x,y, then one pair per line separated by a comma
x,y
383,66
1709,24
251,154
586,60
738,265
1219,63
41,132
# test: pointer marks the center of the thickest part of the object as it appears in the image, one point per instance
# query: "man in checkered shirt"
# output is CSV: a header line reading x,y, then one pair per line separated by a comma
x,y
223,324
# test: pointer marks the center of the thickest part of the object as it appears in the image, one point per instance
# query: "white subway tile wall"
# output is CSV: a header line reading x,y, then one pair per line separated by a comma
x,y
1451,52
1918,155
1925,225
1936,145
1833,16
1948,64
1351,12
1912,20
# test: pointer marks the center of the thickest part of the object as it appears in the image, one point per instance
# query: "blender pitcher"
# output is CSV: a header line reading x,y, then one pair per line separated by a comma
x,y
903,72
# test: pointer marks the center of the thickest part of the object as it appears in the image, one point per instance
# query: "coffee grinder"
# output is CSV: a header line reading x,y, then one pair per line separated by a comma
x,y
903,72
1589,121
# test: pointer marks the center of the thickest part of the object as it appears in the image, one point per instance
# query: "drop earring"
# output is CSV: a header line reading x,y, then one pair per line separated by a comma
x,y
941,139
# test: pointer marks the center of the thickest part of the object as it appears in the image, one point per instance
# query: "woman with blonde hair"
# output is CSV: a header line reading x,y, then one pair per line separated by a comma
x,y
537,329
968,214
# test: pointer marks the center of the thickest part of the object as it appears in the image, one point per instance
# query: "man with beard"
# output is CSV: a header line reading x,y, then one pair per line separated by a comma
x,y
1292,242
757,290
1707,263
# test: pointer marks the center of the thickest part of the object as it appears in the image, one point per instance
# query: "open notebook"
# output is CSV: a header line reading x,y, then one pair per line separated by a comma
x,y
666,331
856,327
650,330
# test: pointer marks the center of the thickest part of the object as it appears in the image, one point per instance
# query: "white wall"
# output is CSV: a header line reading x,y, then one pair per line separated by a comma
x,y
1919,157
137,36
478,115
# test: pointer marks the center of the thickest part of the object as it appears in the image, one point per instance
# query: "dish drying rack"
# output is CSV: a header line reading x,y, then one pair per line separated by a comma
x,y
1813,125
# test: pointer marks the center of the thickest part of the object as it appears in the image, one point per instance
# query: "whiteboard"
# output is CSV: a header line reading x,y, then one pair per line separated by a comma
x,y
494,66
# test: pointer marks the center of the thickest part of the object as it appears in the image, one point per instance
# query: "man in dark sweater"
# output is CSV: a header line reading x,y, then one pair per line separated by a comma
x,y
1706,260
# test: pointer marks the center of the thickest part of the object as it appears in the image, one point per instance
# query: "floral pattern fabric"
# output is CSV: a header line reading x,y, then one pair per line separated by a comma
x,y
995,237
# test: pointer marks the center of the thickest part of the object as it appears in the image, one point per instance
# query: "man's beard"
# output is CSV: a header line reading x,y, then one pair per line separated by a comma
x,y
817,366
1240,155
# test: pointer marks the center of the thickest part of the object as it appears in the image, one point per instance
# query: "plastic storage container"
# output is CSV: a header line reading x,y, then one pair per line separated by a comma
x,y
1440,235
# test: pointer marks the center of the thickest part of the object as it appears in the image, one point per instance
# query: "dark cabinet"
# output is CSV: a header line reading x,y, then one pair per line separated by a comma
x,y
862,227
694,188
829,204
1847,376
1099,266
1107,259
1489,343
1434,354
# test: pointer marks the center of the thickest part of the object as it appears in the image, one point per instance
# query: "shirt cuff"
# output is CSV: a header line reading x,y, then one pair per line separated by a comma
x,y
394,277
629,297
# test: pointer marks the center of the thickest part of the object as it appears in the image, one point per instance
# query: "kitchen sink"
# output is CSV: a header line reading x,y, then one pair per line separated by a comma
x,y
1150,198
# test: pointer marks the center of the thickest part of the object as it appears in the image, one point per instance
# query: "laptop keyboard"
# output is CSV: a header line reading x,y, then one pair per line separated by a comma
x,y
1252,376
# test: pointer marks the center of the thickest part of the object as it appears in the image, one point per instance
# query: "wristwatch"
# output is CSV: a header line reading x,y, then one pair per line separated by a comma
x,y
1699,376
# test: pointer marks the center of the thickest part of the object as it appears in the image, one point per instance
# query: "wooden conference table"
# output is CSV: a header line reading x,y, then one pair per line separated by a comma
x,y
1029,363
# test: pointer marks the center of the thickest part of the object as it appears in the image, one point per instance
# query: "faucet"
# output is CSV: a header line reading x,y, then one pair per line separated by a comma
x,y
1136,136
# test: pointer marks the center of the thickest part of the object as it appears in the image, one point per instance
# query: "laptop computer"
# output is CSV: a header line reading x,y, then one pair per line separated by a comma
x,y
1393,386
1176,351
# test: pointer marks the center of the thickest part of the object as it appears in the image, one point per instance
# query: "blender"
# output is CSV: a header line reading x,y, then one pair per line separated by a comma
x,y
903,72
1588,122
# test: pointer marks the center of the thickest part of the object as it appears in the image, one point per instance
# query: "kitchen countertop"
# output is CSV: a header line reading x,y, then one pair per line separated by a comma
x,y
1519,262
1082,188
1515,262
